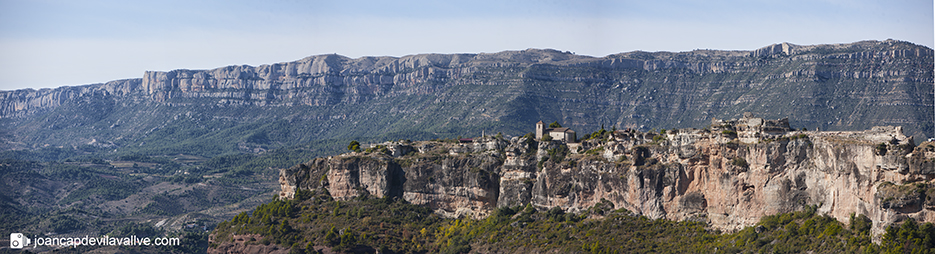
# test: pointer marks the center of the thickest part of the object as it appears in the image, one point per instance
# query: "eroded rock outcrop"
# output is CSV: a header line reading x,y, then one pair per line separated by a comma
x,y
686,174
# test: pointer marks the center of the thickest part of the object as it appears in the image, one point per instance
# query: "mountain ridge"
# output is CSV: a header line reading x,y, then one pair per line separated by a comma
x,y
828,86
315,63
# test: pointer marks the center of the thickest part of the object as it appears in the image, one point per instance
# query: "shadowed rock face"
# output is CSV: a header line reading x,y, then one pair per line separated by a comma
x,y
689,174
832,87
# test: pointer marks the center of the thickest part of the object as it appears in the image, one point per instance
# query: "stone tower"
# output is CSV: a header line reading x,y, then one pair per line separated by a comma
x,y
540,130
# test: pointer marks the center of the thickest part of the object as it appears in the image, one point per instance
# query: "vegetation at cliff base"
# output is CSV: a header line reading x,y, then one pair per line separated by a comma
x,y
313,221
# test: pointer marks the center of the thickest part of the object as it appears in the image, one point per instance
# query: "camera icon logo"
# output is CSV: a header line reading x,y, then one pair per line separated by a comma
x,y
18,240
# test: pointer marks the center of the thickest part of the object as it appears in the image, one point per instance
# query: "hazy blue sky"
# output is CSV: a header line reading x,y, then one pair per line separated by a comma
x,y
56,43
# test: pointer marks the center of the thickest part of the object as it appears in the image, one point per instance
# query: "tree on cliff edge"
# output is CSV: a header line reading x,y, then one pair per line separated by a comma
x,y
354,146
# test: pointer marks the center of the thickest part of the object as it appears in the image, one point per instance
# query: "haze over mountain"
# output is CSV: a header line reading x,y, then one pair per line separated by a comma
x,y
249,109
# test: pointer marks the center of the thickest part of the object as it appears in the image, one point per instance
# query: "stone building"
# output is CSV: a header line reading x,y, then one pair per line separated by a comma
x,y
563,134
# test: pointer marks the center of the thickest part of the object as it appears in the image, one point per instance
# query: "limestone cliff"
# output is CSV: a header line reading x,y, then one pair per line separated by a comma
x,y
851,86
710,175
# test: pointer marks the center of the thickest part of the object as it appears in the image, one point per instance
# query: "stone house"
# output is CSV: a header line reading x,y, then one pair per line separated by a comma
x,y
563,134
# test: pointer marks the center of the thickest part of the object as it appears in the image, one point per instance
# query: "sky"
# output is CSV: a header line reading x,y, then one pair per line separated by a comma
x,y
51,43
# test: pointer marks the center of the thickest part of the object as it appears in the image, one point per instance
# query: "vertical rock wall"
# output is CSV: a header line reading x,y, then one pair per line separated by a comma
x,y
682,175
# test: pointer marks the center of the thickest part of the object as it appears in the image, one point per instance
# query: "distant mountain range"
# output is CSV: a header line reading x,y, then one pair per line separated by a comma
x,y
250,109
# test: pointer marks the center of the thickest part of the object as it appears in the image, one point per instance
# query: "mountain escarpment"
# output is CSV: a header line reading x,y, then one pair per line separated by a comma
x,y
851,86
728,176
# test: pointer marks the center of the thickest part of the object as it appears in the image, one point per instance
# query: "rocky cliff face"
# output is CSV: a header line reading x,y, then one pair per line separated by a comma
x,y
685,174
832,87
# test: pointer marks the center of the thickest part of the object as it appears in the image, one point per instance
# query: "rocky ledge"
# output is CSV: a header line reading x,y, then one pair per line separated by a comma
x,y
728,175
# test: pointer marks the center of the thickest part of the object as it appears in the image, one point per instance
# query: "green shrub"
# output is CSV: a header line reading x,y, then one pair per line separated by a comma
x,y
881,149
740,162
354,146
